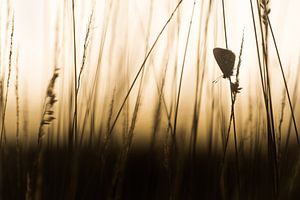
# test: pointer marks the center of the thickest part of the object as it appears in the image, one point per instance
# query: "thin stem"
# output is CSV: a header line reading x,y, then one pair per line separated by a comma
x,y
74,136
3,134
224,23
232,116
181,74
199,82
141,68
294,100
234,134
268,103
257,50
284,80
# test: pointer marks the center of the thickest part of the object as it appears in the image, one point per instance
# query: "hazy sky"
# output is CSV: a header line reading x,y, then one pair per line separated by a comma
x,y
35,24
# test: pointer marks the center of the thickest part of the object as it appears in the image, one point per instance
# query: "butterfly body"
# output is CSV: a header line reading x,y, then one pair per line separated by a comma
x,y
225,59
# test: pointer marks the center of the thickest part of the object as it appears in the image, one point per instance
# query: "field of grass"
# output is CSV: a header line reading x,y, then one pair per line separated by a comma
x,y
180,99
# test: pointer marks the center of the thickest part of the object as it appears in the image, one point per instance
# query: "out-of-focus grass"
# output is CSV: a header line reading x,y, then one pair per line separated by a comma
x,y
132,111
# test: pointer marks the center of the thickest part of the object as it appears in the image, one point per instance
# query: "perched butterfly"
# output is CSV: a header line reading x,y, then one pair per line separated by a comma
x,y
225,59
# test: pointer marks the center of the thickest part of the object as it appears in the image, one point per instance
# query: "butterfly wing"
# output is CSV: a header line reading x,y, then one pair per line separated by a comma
x,y
225,59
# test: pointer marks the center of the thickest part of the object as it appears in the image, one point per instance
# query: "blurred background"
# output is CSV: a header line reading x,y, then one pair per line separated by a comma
x,y
120,34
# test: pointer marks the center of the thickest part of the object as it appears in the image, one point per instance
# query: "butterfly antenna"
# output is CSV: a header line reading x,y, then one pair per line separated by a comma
x,y
217,79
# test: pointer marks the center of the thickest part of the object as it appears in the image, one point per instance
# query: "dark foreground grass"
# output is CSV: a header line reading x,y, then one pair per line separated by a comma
x,y
82,174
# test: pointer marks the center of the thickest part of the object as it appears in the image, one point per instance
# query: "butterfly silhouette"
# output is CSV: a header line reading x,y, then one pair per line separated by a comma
x,y
225,59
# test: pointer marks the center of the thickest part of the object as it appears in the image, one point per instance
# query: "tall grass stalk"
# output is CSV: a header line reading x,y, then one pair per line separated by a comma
x,y
281,119
142,66
263,84
3,134
140,89
56,57
224,24
264,38
48,112
161,103
18,145
234,93
201,61
170,130
95,85
232,116
73,137
120,167
265,79
273,148
83,62
258,52
162,100
284,80
181,74
85,50
294,101
174,154
47,118
25,117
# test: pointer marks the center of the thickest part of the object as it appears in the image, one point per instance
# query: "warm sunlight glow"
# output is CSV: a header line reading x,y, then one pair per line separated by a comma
x,y
159,99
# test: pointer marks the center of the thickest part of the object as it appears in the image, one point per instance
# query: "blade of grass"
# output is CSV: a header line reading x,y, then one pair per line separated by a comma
x,y
284,80
3,134
142,66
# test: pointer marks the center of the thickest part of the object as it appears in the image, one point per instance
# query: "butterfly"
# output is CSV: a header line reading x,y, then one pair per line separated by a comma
x,y
225,59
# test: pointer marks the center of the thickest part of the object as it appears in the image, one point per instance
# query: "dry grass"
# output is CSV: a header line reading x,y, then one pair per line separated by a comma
x,y
112,129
